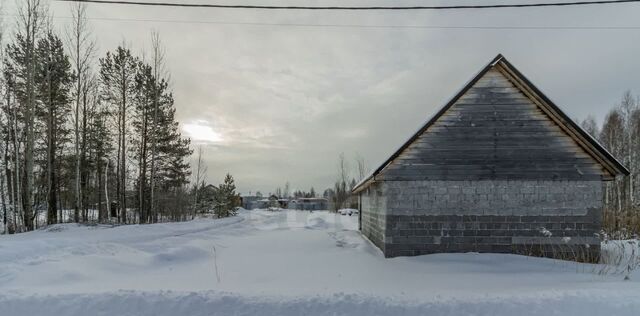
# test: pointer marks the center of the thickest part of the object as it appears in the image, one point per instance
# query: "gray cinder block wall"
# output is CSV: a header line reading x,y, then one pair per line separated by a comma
x,y
534,217
373,212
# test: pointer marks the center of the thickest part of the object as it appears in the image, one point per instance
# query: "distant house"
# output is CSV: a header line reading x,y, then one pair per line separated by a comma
x,y
259,204
249,201
255,202
283,203
271,201
309,204
500,168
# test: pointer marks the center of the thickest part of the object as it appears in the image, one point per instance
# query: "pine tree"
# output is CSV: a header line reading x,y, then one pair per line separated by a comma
x,y
53,77
155,107
143,115
226,198
117,74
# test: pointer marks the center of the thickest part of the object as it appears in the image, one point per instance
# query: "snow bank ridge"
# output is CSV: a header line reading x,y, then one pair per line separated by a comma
x,y
209,303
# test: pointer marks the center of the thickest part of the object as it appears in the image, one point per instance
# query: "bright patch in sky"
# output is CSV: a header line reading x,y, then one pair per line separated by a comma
x,y
202,131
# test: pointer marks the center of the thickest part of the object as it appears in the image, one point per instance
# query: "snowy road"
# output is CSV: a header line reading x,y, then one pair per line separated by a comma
x,y
282,263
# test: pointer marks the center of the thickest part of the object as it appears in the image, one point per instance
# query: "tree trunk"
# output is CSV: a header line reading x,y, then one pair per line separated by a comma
x,y
142,181
117,175
123,171
78,194
52,203
29,126
2,197
7,170
17,191
101,212
83,156
106,190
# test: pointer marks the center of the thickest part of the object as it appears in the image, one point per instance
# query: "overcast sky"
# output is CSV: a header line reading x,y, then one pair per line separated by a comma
x,y
277,103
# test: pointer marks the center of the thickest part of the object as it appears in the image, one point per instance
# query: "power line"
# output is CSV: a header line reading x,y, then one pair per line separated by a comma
x,y
373,26
364,26
272,7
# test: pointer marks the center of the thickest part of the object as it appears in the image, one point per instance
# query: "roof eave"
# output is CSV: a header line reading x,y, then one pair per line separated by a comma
x,y
365,183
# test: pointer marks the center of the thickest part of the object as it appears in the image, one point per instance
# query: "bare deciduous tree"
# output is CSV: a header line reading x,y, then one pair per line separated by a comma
x,y
341,191
3,125
201,172
158,64
362,167
620,135
82,51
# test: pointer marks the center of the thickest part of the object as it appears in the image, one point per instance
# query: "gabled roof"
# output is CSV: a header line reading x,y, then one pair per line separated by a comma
x,y
609,163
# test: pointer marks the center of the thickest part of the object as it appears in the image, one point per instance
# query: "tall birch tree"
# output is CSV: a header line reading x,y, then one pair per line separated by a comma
x,y
22,63
82,51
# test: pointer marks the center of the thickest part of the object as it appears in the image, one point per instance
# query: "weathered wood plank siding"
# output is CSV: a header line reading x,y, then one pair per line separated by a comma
x,y
493,132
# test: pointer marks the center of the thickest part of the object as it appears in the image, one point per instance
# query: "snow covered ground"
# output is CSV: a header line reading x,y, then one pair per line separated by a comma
x,y
282,263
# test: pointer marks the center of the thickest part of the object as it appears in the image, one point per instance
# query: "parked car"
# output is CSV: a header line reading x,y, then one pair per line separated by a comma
x,y
348,211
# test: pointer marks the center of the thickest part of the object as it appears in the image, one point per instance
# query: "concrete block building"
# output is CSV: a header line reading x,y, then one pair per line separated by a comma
x,y
500,168
309,204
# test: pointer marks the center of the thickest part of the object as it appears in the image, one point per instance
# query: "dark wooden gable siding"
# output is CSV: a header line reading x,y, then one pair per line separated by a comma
x,y
493,131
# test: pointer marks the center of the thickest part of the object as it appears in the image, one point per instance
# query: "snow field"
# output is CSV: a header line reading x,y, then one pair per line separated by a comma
x,y
283,263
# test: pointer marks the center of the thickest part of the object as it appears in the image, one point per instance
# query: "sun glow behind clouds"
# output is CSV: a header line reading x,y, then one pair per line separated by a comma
x,y
201,131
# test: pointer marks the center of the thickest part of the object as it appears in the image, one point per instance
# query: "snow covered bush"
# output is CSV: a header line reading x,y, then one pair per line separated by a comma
x,y
619,253
558,247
